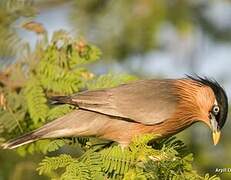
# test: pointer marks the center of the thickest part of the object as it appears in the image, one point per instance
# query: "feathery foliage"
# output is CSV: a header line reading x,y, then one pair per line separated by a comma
x,y
138,161
10,11
36,100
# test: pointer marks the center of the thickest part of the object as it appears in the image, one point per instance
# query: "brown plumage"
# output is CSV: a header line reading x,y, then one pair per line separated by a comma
x,y
164,107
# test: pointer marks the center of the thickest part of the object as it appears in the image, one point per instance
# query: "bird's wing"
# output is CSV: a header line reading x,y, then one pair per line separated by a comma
x,y
145,101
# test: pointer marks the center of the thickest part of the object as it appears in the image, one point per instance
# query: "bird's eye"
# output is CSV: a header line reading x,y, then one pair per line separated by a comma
x,y
216,109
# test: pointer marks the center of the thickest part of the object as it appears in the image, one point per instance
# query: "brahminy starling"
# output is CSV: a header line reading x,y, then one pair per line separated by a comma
x,y
159,106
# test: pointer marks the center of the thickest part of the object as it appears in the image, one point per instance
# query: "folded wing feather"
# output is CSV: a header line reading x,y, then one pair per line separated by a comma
x,y
145,101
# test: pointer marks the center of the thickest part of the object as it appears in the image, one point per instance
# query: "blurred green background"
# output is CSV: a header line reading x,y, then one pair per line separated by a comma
x,y
148,38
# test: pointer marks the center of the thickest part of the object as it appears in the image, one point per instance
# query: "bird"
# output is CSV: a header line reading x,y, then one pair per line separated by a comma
x,y
159,106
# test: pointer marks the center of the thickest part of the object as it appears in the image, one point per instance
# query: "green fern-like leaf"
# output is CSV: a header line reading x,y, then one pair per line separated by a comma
x,y
90,54
14,114
8,121
10,42
50,164
109,80
139,161
36,101
94,163
42,146
59,111
76,171
57,79
207,177
54,145
116,161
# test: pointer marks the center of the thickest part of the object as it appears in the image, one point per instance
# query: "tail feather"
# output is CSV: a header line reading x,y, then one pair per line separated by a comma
x,y
60,100
76,123
25,139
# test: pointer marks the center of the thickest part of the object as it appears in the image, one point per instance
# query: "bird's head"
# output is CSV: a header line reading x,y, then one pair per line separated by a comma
x,y
215,109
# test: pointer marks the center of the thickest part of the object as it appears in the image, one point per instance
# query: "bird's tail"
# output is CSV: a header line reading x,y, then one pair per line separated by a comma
x,y
76,123
22,140
37,134
60,100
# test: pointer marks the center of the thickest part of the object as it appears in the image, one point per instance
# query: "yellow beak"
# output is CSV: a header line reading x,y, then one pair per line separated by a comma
x,y
216,137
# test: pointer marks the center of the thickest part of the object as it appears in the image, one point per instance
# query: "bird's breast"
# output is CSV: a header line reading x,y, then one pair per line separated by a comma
x,y
123,132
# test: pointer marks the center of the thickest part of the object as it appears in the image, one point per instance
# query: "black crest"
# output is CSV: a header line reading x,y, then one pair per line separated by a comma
x,y
220,94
